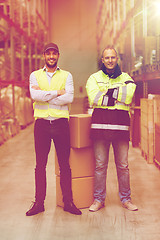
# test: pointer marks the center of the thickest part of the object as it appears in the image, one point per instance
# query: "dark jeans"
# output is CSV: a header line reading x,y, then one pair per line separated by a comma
x,y
44,133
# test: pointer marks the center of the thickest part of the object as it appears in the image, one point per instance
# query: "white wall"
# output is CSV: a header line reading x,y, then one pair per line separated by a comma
x,y
73,27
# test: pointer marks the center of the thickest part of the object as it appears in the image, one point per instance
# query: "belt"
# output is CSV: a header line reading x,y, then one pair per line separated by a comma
x,y
47,121
51,121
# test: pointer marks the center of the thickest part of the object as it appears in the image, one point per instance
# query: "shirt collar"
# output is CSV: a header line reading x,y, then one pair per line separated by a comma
x,y
45,69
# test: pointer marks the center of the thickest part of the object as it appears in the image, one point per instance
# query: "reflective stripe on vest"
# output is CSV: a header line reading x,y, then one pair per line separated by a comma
x,y
105,100
109,127
124,93
44,109
51,106
97,97
122,104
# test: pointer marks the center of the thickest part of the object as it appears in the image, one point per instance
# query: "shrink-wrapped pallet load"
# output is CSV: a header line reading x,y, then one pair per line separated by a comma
x,y
22,105
15,112
1,135
24,112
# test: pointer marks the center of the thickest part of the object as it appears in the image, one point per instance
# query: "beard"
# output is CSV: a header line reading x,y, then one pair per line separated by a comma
x,y
51,65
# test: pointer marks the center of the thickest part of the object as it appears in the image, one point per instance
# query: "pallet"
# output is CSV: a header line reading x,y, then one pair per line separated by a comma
x,y
157,163
147,157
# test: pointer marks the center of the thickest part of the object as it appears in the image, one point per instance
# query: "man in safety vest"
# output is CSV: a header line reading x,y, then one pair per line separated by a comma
x,y
110,92
52,90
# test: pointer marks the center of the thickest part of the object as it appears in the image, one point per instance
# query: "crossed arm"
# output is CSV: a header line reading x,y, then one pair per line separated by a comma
x,y
55,97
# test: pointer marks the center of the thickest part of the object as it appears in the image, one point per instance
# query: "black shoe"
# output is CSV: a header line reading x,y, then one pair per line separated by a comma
x,y
71,208
35,209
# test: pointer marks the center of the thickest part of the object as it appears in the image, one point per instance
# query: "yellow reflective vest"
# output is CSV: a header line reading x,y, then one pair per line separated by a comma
x,y
111,98
98,84
44,109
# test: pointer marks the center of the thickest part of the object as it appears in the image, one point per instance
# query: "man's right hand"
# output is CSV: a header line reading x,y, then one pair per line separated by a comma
x,y
61,92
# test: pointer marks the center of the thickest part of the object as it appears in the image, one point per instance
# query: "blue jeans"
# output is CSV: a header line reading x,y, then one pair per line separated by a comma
x,y
101,151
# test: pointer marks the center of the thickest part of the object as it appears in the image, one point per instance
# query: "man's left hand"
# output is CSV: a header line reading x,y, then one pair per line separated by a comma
x,y
36,87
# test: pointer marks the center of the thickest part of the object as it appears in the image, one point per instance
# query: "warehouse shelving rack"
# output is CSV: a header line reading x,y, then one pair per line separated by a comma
x,y
133,27
23,33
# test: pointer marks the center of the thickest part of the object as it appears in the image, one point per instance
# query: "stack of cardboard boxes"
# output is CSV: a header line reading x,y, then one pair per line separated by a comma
x,y
157,144
82,163
150,117
147,129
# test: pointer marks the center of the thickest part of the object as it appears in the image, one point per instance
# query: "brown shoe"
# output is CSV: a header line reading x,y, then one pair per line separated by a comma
x,y
130,206
96,206
35,209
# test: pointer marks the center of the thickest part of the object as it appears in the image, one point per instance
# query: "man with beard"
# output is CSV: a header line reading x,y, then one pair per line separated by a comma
x,y
52,90
110,92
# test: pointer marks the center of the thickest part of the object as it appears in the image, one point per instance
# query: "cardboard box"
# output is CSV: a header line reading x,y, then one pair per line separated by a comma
x,y
82,162
82,189
157,110
80,130
147,129
150,115
157,141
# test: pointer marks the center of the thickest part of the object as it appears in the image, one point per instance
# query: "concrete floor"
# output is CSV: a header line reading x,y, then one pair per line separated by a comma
x,y
113,222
